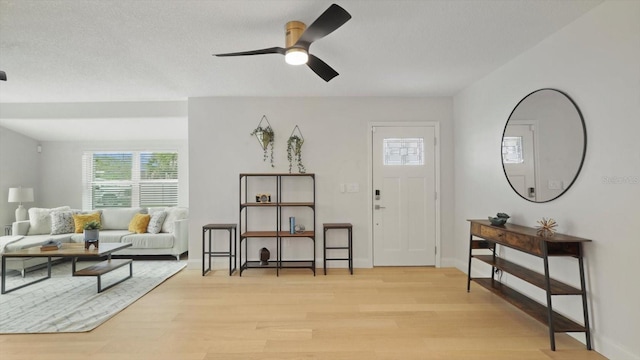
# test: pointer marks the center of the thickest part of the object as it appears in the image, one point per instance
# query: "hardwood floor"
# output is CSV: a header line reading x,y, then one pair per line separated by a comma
x,y
376,314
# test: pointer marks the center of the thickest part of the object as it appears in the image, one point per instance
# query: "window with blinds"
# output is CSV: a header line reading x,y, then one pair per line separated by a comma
x,y
126,179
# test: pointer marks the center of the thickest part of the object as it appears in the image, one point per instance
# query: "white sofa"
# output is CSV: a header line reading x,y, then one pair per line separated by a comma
x,y
173,238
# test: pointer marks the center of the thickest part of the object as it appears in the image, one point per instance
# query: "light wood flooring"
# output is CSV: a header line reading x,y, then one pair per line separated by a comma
x,y
376,314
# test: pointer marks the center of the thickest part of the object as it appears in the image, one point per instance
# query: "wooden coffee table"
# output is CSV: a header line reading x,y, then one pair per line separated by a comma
x,y
73,251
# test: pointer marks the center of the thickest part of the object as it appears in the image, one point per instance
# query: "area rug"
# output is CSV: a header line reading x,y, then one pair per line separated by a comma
x,y
72,304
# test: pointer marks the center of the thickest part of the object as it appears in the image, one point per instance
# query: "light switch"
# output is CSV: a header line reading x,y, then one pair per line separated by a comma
x,y
353,187
342,188
554,185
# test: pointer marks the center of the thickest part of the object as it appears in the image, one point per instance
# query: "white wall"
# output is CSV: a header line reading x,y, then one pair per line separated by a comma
x,y
335,149
596,60
19,166
61,168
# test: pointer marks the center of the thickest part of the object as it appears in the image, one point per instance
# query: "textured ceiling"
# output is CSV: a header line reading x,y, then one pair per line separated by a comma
x,y
123,50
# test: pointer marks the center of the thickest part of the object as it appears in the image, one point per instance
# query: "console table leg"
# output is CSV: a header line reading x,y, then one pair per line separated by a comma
x,y
584,300
552,338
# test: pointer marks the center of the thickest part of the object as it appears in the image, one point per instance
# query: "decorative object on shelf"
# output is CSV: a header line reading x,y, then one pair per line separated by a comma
x,y
299,228
21,195
294,149
264,256
547,227
292,224
92,234
499,220
265,135
263,198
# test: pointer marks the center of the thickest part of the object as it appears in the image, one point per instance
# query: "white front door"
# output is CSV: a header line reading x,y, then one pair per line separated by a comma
x,y
518,158
404,195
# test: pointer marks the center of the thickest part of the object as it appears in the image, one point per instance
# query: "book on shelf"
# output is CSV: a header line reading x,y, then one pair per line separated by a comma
x,y
51,245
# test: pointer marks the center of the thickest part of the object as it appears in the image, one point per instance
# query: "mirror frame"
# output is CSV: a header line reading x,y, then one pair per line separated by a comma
x,y
584,147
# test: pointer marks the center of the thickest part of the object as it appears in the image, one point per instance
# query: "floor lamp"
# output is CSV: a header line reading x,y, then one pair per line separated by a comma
x,y
20,195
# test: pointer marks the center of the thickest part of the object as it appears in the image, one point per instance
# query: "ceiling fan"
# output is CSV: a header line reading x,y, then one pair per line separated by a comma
x,y
299,38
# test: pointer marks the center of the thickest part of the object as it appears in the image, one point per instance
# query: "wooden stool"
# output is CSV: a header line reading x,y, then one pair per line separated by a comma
x,y
349,247
232,246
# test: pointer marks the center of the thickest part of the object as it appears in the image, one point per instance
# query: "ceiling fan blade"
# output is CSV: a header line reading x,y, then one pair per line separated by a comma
x,y
321,68
273,50
334,17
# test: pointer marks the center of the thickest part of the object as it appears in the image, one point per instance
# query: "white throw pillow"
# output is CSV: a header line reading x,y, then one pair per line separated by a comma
x,y
118,218
40,220
62,222
173,214
155,224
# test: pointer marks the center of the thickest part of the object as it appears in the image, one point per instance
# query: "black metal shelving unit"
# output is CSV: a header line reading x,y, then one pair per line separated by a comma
x,y
278,231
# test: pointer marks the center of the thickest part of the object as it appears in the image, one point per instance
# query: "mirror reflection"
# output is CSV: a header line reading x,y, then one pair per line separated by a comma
x,y
543,145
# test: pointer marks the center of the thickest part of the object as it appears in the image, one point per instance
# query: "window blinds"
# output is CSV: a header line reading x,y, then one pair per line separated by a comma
x,y
125,179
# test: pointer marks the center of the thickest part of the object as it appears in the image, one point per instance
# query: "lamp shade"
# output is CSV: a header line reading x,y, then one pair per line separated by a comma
x,y
20,195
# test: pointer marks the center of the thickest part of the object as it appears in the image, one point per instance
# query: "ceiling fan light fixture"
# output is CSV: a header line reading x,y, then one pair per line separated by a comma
x,y
296,56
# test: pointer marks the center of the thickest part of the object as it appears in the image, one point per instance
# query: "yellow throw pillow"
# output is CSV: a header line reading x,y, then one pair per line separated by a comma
x,y
139,223
80,219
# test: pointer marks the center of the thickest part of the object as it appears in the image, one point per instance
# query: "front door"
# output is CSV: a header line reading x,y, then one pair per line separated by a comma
x,y
404,195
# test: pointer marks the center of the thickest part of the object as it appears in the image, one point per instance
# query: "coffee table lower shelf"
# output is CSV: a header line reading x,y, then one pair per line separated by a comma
x,y
105,267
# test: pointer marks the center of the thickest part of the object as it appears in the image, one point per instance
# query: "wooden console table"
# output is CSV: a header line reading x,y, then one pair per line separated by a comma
x,y
527,240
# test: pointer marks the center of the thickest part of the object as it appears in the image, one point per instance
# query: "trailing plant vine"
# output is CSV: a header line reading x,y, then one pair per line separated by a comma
x,y
294,152
266,138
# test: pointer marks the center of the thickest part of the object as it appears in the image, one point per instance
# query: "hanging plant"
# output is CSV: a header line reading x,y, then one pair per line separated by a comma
x,y
294,150
265,136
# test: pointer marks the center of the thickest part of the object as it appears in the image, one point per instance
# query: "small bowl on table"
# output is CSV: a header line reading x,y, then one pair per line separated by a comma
x,y
498,221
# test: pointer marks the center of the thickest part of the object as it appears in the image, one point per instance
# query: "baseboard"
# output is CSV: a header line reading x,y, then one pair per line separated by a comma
x,y
610,349
360,263
448,262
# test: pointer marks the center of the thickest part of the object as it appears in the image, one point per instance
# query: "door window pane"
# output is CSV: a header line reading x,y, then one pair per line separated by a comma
x,y
512,150
403,151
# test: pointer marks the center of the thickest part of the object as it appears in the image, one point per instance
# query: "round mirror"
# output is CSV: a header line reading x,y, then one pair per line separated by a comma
x,y
543,145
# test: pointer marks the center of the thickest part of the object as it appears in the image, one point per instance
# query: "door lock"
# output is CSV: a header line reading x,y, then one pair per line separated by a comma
x,y
378,207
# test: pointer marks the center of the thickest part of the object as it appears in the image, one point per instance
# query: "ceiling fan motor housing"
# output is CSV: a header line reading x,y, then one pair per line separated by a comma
x,y
294,30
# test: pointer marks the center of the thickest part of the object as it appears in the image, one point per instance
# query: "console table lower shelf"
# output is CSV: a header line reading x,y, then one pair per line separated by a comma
x,y
531,307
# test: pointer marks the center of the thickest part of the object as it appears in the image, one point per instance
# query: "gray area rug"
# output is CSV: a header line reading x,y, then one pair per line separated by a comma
x,y
72,304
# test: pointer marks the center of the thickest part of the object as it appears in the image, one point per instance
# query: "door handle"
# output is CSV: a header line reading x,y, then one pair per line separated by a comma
x,y
378,207
532,192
